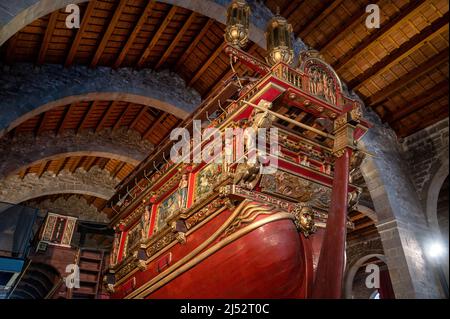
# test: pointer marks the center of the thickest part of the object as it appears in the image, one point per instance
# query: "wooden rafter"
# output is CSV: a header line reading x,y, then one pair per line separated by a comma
x,y
156,36
343,30
311,18
90,163
101,207
424,99
117,169
86,116
90,200
364,225
412,75
207,63
112,25
137,117
75,163
428,120
23,172
318,19
121,116
64,118
137,28
194,43
151,128
42,168
402,51
41,123
10,48
80,32
62,163
48,35
103,162
105,116
386,27
291,7
175,41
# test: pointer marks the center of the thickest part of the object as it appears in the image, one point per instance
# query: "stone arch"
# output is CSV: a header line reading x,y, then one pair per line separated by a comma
x,y
25,149
348,286
71,206
17,14
27,91
95,182
433,194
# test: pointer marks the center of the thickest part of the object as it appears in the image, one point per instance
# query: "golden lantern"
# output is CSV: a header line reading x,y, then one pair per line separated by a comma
x,y
238,20
279,41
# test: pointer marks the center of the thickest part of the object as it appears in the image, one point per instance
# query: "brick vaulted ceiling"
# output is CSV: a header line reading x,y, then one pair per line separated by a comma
x,y
400,70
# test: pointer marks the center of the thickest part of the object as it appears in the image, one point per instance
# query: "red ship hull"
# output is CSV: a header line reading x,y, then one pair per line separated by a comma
x,y
272,260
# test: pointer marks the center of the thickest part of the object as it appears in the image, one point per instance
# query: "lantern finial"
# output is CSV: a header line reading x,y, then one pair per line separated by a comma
x,y
238,21
279,40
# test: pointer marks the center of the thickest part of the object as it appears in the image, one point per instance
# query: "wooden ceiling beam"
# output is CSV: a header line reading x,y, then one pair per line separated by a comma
x,y
137,28
61,165
10,48
48,35
23,172
373,37
76,41
75,163
117,169
344,29
207,63
102,206
41,123
401,52
291,8
428,120
63,120
411,76
86,116
138,117
194,43
112,25
121,116
318,19
420,101
105,116
152,127
90,163
42,168
156,36
175,41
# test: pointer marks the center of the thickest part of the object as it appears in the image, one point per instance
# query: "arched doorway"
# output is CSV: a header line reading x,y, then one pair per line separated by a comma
x,y
358,283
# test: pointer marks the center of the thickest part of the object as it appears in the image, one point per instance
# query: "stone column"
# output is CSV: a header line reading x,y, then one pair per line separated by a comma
x,y
401,218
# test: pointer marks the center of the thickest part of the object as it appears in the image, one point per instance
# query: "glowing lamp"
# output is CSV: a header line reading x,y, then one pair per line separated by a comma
x,y
238,20
279,41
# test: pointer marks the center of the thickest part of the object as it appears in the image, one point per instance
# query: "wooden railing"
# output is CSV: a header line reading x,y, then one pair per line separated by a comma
x,y
284,72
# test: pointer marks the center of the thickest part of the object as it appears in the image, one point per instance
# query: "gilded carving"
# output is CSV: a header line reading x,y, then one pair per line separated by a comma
x,y
298,188
160,244
304,219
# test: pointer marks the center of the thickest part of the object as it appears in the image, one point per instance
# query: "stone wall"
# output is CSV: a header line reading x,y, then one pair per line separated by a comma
x,y
25,149
27,90
73,206
426,151
95,182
